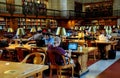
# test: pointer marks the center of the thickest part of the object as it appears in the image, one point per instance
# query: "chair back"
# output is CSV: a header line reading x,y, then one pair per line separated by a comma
x,y
38,58
21,53
52,58
31,42
54,65
38,49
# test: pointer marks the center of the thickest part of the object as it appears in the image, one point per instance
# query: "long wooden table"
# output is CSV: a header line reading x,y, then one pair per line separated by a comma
x,y
82,58
11,49
13,46
19,70
108,45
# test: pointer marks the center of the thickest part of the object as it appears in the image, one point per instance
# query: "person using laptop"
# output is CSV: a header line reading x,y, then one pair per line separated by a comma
x,y
58,51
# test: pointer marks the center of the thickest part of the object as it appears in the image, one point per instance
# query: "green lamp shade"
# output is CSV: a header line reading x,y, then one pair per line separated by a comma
x,y
20,32
61,31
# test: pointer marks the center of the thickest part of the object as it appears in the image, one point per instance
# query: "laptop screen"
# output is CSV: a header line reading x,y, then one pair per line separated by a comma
x,y
72,46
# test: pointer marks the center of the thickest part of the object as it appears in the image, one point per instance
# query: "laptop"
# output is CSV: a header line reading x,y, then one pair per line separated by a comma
x,y
73,46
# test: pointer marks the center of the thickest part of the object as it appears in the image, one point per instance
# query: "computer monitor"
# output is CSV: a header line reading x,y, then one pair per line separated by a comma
x,y
72,46
68,34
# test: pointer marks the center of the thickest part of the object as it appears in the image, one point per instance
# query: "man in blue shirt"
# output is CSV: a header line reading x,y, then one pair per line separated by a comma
x,y
48,39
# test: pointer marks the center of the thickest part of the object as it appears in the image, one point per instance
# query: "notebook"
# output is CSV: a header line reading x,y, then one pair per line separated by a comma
x,y
73,46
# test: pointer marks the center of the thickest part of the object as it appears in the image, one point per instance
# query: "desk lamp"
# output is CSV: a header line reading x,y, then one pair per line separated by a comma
x,y
20,32
61,31
10,30
81,35
39,29
108,30
33,30
92,30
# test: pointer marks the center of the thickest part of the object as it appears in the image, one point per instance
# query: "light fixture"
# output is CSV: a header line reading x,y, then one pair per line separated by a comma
x,y
39,29
38,1
81,35
33,30
10,30
92,30
61,31
108,30
20,32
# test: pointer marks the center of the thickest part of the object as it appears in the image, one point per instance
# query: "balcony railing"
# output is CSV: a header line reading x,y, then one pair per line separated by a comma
x,y
19,9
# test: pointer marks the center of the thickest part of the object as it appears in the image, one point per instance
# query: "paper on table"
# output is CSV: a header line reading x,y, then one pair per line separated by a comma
x,y
10,72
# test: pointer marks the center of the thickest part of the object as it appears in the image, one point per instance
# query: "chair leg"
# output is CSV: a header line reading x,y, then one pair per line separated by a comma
x,y
94,55
39,75
72,72
50,73
60,73
57,74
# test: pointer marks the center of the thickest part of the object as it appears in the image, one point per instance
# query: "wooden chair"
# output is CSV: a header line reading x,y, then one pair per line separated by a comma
x,y
38,49
39,58
31,42
21,53
59,68
95,53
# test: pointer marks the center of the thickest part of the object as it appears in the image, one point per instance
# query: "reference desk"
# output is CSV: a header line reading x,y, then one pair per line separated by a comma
x,y
20,70
82,58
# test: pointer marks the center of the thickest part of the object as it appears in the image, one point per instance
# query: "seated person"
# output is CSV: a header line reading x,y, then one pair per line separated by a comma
x,y
48,39
37,36
102,48
103,36
58,51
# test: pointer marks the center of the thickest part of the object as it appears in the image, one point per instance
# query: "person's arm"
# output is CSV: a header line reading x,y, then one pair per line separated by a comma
x,y
31,38
61,51
68,53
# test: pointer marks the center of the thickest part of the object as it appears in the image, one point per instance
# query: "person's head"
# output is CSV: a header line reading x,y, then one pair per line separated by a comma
x,y
40,31
47,36
57,41
102,31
